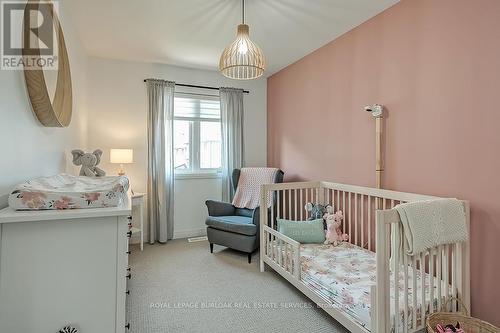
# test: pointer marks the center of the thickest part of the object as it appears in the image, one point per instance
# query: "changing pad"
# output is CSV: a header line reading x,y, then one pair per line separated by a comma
x,y
69,192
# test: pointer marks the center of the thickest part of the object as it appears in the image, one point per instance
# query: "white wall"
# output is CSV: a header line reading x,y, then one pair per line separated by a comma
x,y
29,149
117,119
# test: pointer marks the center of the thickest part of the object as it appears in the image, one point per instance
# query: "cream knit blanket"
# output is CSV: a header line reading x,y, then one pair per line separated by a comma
x,y
427,224
248,192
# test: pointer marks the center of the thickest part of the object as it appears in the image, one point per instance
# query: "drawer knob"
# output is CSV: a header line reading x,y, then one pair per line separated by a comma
x,y
129,217
128,269
127,326
128,252
129,276
129,234
127,292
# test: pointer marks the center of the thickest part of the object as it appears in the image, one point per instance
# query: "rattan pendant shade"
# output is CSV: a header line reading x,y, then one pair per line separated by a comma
x,y
243,59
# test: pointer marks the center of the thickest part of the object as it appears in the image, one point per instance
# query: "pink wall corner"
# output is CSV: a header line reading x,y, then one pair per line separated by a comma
x,y
435,65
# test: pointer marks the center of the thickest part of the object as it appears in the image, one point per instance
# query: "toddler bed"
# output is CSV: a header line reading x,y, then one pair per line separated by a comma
x,y
355,282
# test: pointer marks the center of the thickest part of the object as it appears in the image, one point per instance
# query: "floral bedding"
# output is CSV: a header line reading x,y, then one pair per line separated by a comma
x,y
344,275
69,192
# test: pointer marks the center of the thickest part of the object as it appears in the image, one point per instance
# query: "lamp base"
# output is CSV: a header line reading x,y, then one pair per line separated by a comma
x,y
121,171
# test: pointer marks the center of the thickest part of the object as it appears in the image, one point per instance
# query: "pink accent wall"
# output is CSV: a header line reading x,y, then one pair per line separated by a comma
x,y
435,65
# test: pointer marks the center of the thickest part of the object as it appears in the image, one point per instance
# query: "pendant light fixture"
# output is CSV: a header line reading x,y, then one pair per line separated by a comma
x,y
243,59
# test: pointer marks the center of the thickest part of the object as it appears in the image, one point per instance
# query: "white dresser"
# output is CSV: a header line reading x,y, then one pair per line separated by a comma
x,y
61,268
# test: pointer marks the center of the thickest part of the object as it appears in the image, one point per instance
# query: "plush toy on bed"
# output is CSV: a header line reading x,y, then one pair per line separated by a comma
x,y
89,162
315,211
333,220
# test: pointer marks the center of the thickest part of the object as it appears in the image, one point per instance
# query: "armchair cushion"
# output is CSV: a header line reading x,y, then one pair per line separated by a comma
x,y
243,212
236,224
256,217
218,208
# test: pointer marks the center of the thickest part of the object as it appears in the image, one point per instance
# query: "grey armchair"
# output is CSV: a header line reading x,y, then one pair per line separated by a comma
x,y
236,228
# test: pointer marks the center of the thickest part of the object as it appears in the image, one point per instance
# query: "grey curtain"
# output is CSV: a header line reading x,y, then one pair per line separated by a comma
x,y
231,102
160,160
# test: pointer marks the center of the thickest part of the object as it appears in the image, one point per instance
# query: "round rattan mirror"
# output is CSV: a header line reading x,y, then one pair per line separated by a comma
x,y
55,111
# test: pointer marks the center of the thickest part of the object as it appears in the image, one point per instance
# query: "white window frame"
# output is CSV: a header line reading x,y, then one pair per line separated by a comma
x,y
195,171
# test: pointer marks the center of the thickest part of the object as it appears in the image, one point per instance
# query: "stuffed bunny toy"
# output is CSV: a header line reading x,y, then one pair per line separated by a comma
x,y
89,162
334,233
315,211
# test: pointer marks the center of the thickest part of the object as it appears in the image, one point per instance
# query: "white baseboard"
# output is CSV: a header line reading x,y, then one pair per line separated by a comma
x,y
190,233
177,235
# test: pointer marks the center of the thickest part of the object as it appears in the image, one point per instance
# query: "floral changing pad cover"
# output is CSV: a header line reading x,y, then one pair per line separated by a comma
x,y
69,192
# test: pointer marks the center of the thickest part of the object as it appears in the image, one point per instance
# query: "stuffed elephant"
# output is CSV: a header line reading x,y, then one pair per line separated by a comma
x,y
89,162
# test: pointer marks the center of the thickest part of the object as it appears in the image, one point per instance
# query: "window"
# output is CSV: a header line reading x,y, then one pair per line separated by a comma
x,y
197,134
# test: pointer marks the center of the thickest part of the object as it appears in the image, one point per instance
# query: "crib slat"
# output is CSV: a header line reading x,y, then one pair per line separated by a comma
x,y
278,207
301,205
349,218
439,268
356,218
453,274
307,197
295,204
414,291
405,294
431,280
278,251
278,254
287,258
370,223
285,247
460,271
422,289
272,208
362,244
316,199
282,251
275,244
337,196
446,276
396,280
271,247
345,213
265,243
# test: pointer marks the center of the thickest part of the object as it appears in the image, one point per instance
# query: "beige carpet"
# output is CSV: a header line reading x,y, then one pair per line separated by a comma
x,y
182,287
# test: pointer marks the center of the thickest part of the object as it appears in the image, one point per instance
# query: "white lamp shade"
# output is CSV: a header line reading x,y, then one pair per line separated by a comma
x,y
121,156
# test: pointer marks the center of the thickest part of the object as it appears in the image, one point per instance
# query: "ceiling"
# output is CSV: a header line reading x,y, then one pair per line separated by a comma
x,y
193,33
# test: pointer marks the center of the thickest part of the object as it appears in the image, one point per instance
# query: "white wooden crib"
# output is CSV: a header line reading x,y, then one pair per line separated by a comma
x,y
372,224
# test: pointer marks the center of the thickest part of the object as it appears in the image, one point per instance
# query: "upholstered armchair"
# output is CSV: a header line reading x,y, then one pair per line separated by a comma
x,y
236,228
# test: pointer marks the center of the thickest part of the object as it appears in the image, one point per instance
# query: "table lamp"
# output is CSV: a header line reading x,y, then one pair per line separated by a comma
x,y
121,156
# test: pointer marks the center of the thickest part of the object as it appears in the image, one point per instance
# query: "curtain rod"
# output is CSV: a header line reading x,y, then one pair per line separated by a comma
x,y
202,87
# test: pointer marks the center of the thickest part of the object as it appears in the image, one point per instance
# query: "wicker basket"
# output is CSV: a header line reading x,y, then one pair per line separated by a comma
x,y
467,323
